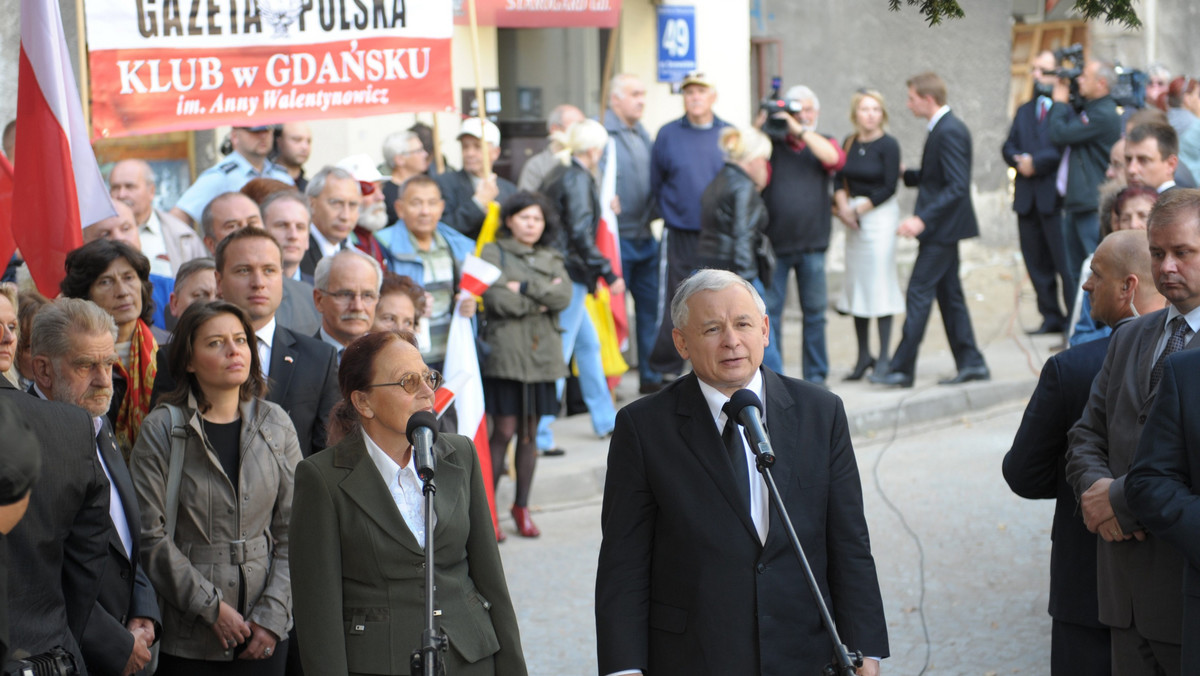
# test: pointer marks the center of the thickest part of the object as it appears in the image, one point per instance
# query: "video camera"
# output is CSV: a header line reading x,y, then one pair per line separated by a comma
x,y
1073,54
53,662
774,127
1129,89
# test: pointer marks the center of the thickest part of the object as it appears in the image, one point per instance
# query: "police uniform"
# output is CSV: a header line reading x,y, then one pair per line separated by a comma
x,y
233,172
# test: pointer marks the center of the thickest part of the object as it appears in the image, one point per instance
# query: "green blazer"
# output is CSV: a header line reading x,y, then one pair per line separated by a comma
x,y
358,580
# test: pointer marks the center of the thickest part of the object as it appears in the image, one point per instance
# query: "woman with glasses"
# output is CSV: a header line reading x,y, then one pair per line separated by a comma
x,y
358,578
221,568
865,201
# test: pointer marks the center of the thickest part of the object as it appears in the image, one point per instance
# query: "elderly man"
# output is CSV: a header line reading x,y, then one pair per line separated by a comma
x,y
537,167
1152,156
293,145
346,293
167,241
696,572
196,282
1139,576
1121,285
74,351
685,159
225,213
639,246
467,192
372,214
251,146
799,208
405,157
334,196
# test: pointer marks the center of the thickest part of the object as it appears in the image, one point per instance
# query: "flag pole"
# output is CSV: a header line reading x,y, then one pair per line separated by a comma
x,y
479,102
609,61
81,35
439,161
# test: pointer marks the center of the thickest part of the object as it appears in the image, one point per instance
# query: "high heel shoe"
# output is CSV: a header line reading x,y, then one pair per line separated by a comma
x,y
860,370
525,525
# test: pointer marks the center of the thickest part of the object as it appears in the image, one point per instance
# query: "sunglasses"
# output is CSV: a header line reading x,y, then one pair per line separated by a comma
x,y
411,382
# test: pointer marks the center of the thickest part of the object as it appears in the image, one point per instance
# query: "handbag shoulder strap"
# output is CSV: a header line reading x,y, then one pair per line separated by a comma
x,y
175,468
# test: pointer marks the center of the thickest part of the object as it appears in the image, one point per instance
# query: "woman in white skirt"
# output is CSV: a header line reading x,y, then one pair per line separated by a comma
x,y
865,201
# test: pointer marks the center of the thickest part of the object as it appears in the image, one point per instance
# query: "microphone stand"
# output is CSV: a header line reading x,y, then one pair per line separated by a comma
x,y
844,662
427,660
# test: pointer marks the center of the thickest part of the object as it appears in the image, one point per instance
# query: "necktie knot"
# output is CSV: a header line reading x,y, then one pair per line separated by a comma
x,y
1179,329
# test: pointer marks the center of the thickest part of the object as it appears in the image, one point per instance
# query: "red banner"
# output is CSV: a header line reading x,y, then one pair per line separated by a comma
x,y
542,13
157,68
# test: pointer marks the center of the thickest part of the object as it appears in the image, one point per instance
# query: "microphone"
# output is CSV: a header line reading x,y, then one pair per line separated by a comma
x,y
422,432
745,406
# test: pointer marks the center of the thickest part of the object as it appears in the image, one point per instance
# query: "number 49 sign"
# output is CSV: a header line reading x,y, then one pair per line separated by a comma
x,y
676,42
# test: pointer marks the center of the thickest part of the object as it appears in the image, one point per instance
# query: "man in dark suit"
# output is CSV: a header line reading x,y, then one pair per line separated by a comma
x,y
467,191
301,371
1035,466
1029,151
1162,485
334,196
1139,576
943,215
73,354
57,553
696,574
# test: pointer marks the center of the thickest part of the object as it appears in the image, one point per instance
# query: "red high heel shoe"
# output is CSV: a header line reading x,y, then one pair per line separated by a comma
x,y
525,525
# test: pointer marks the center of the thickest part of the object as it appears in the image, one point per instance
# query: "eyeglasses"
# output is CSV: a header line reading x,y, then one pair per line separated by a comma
x,y
345,297
411,382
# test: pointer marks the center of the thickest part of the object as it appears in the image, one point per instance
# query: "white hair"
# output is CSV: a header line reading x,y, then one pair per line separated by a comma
x,y
802,93
325,268
708,280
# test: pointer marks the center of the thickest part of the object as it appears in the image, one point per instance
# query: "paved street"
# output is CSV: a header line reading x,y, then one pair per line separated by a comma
x,y
986,557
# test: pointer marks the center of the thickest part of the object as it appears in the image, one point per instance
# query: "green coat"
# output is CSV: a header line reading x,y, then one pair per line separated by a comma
x,y
359,588
522,328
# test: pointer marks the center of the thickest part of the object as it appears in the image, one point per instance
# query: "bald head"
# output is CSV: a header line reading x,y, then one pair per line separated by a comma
x,y
1122,279
121,227
132,182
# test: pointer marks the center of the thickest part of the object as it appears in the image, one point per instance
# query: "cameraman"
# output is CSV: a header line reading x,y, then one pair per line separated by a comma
x,y
1087,135
798,200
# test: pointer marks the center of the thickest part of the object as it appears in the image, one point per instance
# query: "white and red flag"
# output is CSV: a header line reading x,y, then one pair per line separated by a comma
x,y
56,174
608,239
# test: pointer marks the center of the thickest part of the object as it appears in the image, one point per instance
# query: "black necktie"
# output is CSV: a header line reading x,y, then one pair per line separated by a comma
x,y
1174,344
737,456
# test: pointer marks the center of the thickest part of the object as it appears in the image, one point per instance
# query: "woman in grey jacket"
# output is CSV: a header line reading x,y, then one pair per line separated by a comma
x,y
222,575
521,326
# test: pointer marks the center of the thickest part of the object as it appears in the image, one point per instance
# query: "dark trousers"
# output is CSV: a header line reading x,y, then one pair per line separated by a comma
x,y
639,266
1136,655
1076,650
1044,249
935,275
678,258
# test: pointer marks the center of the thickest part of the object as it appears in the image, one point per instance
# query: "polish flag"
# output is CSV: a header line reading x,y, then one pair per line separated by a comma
x,y
464,385
60,185
478,275
608,240
7,244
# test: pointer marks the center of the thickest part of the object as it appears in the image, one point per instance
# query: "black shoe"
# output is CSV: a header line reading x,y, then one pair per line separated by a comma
x,y
967,375
1047,327
860,370
893,379
553,452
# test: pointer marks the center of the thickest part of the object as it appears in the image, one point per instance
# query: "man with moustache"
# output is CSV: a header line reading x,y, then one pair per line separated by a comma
x,y
346,293
334,196
167,241
251,146
74,351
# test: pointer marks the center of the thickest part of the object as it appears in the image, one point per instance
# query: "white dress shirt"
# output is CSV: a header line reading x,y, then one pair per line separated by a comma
x,y
327,248
1193,321
941,112
759,507
266,336
153,246
405,487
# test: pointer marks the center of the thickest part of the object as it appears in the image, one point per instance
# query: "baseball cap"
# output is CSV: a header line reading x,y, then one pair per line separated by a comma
x,y
695,77
362,168
489,133
264,127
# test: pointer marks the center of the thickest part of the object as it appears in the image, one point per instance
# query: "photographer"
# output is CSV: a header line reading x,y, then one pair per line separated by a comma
x,y
1087,134
799,200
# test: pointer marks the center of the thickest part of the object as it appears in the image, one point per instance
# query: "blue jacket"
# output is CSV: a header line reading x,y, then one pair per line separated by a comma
x,y
404,260
684,161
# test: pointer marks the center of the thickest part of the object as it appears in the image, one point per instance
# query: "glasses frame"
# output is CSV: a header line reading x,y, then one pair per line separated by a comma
x,y
346,296
425,377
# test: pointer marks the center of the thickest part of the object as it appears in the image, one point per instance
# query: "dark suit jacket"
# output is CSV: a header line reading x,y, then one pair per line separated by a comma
x,y
1029,135
685,587
1163,486
297,310
1090,142
944,184
125,592
303,382
308,264
1136,579
1036,468
461,212
358,576
57,553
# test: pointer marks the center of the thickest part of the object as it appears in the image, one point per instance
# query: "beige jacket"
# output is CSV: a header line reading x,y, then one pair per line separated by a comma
x,y
222,537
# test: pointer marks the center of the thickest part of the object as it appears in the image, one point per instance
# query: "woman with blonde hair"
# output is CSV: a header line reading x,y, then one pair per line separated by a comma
x,y
865,201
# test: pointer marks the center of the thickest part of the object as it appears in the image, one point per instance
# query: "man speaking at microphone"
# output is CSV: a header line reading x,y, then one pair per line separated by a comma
x,y
696,573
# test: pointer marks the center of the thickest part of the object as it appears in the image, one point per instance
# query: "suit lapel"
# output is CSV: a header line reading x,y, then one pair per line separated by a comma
x,y
447,502
124,483
781,416
365,487
1151,332
703,440
283,357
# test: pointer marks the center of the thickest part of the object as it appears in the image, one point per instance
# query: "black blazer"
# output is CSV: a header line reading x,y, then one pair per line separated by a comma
x,y
733,225
303,382
1029,135
458,192
685,587
308,264
1036,468
125,592
1163,486
57,553
944,184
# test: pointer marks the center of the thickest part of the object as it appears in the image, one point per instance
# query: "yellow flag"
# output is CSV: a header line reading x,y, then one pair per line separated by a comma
x,y
491,223
600,310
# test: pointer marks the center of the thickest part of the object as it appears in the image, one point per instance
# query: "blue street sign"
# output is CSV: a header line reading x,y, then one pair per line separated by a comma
x,y
676,42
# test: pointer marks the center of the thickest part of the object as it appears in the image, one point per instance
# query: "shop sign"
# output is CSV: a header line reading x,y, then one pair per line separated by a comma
x,y
167,65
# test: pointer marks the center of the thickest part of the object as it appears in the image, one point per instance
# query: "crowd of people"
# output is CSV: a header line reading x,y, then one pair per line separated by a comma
x,y
249,360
